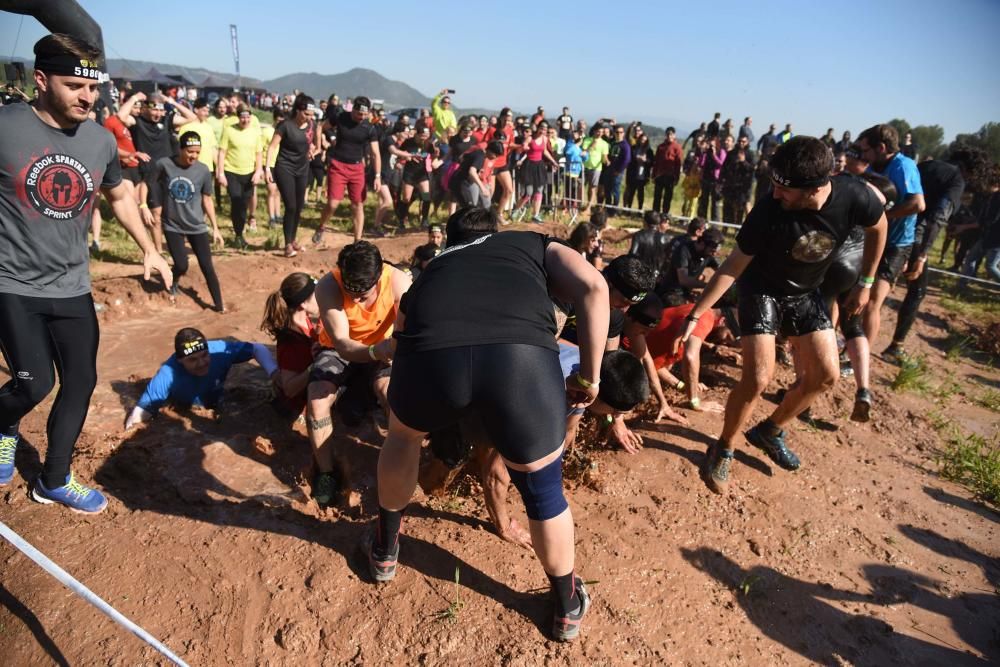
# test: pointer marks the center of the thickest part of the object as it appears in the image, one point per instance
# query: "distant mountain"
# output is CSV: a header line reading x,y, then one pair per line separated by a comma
x,y
358,81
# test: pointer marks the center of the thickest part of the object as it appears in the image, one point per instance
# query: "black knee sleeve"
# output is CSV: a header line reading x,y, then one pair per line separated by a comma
x,y
541,490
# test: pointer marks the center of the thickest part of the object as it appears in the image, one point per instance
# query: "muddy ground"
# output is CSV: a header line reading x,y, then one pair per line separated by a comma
x,y
864,556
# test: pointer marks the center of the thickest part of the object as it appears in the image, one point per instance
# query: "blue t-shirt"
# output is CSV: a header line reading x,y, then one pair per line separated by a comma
x,y
569,361
175,384
902,171
574,158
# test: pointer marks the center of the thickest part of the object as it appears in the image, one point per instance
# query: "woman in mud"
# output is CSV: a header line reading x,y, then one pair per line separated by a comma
x,y
290,316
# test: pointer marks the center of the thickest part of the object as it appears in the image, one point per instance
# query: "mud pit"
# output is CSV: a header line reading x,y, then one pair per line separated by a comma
x,y
861,557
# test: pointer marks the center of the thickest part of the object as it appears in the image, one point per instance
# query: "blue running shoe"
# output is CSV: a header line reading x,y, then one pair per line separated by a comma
x,y
774,446
8,445
72,494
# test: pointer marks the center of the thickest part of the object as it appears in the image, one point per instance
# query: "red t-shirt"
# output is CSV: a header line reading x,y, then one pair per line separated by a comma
x,y
295,354
660,340
505,137
123,138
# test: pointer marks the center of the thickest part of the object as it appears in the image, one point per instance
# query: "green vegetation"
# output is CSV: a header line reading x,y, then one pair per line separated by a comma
x,y
451,613
912,376
973,461
990,400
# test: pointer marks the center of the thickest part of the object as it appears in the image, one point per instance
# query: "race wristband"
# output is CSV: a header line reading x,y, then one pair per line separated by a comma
x,y
143,205
586,384
866,281
371,352
680,385
692,317
865,285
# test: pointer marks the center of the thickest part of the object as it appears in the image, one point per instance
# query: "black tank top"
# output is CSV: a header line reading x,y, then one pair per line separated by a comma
x,y
490,291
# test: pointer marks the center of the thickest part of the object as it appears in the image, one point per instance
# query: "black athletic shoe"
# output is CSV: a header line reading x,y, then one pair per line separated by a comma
x,y
895,355
774,446
325,487
566,628
381,566
862,406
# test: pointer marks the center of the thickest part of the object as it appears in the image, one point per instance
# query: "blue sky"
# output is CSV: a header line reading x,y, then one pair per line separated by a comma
x,y
846,64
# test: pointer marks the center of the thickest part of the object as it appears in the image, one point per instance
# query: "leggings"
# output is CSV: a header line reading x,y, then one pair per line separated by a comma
x,y
240,188
292,188
634,189
38,334
202,246
916,290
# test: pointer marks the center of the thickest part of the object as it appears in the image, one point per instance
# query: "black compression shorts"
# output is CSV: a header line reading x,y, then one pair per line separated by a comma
x,y
518,392
790,316
893,259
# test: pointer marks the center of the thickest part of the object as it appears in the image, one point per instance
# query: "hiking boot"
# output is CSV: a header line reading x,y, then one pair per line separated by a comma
x,y
774,446
566,628
862,406
325,487
717,466
72,494
8,445
381,566
241,243
896,355
318,235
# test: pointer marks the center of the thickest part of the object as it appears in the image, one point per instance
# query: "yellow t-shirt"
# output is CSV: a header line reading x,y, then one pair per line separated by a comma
x,y
218,124
266,134
241,148
235,120
209,146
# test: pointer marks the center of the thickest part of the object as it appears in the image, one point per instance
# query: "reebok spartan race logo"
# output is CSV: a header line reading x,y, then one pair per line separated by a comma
x,y
58,186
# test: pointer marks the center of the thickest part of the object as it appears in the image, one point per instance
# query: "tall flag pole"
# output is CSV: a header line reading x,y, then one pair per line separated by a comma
x,y
236,54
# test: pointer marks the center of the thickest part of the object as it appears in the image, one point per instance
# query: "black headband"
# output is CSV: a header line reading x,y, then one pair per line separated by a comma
x,y
629,292
67,65
790,182
302,295
639,315
357,288
187,348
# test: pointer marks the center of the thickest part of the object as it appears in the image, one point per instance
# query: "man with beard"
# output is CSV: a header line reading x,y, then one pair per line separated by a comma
x,y
783,251
54,160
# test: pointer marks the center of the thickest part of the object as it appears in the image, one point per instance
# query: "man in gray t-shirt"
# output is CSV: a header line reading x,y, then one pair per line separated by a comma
x,y
52,162
180,195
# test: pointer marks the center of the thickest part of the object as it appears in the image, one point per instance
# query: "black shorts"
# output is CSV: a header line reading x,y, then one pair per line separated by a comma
x,y
893,259
415,176
844,271
132,175
518,392
790,316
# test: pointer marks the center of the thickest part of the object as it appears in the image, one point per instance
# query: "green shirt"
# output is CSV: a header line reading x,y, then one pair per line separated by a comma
x,y
596,152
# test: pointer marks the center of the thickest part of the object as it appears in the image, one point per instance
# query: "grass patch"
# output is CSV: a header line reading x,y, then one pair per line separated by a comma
x,y
451,613
973,461
912,376
957,346
990,400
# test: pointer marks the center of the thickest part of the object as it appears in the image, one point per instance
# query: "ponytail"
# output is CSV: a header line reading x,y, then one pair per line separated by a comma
x,y
277,317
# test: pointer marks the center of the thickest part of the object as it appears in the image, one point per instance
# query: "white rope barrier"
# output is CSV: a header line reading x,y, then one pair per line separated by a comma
x,y
67,580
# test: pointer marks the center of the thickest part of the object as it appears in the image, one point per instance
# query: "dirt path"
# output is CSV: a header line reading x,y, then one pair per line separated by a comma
x,y
862,557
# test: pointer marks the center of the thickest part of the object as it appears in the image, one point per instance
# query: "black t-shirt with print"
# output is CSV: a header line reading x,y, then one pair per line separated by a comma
x,y
792,249
352,138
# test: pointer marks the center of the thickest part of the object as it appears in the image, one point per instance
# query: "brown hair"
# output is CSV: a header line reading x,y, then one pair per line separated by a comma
x,y
277,314
61,44
882,134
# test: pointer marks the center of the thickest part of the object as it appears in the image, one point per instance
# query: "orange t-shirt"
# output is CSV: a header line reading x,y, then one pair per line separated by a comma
x,y
367,325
